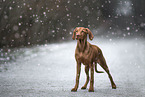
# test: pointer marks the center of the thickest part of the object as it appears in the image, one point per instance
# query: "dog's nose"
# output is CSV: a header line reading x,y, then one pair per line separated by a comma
x,y
77,35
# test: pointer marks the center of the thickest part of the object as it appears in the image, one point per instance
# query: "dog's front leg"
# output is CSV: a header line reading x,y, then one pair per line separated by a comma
x,y
91,89
77,77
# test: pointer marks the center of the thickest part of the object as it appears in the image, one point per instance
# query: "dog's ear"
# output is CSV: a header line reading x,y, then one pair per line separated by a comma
x,y
74,34
91,36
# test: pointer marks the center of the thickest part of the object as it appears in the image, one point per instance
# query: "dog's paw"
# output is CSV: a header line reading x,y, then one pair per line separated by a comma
x,y
91,90
73,90
83,88
114,86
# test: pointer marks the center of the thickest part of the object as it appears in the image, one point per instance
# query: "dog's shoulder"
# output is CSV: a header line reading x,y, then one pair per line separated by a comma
x,y
95,47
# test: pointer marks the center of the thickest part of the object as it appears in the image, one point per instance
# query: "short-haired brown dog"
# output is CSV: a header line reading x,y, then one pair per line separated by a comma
x,y
89,55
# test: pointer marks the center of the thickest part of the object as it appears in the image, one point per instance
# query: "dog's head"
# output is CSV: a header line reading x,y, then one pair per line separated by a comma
x,y
81,33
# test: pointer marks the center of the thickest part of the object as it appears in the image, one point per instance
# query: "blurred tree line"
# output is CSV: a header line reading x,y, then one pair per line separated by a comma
x,y
30,22
124,13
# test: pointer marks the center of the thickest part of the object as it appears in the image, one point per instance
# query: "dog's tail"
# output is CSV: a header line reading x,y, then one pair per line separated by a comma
x,y
97,70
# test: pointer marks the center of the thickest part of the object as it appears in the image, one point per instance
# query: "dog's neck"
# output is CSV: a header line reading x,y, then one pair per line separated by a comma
x,y
82,44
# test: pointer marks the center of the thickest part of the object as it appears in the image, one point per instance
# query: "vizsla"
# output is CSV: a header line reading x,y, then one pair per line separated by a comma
x,y
89,55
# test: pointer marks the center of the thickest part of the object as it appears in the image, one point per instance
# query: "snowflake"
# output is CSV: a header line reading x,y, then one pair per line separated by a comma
x,y
30,8
15,27
128,28
10,8
57,6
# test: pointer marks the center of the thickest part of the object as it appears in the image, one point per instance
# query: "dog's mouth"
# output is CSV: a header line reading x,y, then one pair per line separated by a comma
x,y
79,38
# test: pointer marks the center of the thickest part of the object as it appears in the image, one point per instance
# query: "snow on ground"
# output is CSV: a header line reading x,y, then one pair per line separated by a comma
x,y
49,71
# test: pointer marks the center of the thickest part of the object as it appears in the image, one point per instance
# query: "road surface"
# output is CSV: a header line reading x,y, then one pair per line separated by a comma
x,y
49,70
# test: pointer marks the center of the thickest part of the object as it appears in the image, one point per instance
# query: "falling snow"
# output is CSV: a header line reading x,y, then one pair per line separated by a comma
x,y
128,28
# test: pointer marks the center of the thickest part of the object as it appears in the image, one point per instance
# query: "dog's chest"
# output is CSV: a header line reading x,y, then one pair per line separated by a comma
x,y
83,58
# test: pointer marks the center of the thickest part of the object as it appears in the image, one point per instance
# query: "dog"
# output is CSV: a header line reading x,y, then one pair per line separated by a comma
x,y
89,55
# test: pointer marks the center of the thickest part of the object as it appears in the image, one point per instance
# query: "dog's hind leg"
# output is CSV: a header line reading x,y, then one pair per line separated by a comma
x,y
103,64
91,89
87,75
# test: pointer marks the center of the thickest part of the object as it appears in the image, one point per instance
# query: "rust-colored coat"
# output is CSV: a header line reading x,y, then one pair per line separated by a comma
x,y
89,55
